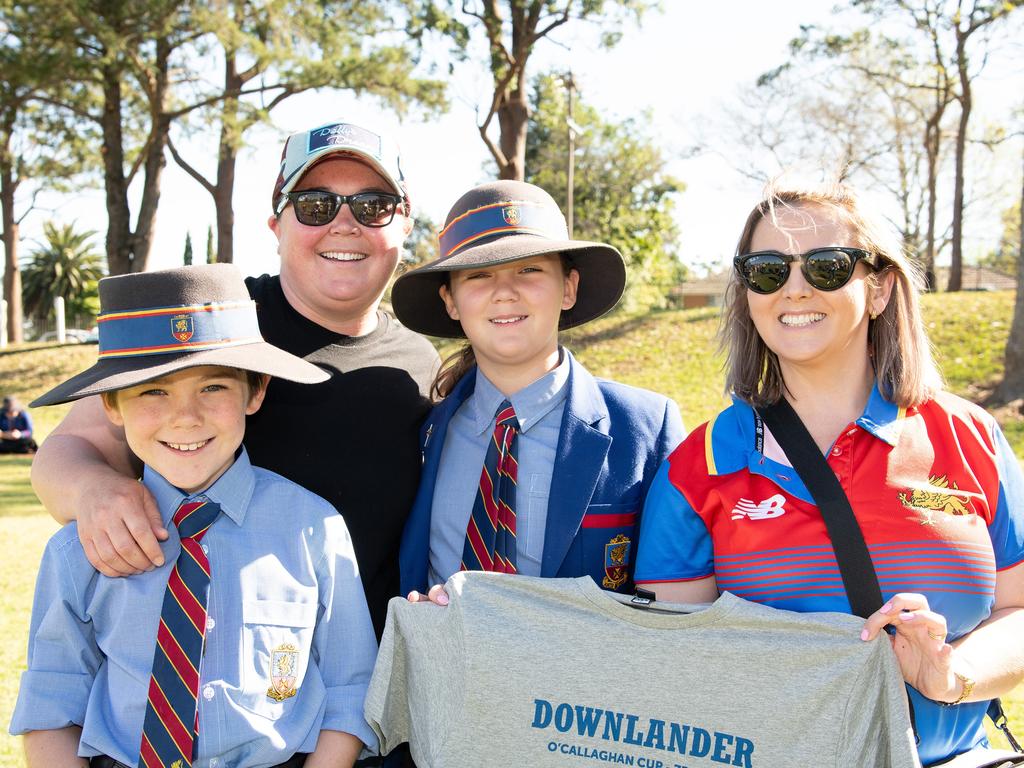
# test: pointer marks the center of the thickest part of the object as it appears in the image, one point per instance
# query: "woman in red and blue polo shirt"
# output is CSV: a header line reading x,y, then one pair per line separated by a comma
x,y
823,310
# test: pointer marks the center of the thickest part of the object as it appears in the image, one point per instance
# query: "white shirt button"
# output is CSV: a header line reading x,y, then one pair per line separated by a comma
x,y
214,762
210,623
206,549
837,451
208,692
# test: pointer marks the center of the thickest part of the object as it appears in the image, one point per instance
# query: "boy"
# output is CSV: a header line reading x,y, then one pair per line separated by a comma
x,y
271,668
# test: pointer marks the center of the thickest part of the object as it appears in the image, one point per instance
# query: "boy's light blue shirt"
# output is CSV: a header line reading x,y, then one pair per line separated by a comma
x,y
283,573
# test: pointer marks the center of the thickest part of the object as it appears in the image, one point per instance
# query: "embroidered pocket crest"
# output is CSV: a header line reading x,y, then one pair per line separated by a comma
x,y
284,664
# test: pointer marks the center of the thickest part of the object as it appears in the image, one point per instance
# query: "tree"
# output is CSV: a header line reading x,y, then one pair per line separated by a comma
x,y
28,69
211,254
187,258
274,49
67,265
511,29
622,192
945,29
1012,385
1006,255
830,83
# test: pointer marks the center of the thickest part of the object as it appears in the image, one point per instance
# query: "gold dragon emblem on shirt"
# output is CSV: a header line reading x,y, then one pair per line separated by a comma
x,y
935,499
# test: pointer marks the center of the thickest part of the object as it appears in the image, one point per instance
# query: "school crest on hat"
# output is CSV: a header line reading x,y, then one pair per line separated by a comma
x,y
182,327
511,214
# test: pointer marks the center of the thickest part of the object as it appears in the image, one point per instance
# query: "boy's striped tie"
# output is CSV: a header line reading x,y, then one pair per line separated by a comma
x,y
172,717
491,533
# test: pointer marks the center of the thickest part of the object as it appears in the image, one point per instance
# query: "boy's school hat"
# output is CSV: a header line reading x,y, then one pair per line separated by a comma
x,y
304,149
497,223
154,323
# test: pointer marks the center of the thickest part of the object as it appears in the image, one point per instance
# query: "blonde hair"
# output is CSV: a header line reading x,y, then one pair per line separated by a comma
x,y
901,353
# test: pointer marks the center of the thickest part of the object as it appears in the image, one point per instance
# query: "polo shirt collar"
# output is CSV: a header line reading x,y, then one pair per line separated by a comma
x,y
232,491
531,403
882,418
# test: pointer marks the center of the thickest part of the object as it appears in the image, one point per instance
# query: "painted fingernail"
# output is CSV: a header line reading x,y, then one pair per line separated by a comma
x,y
887,607
442,599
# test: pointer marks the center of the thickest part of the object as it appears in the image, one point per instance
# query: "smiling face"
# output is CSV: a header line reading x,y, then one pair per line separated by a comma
x,y
807,328
510,313
186,425
336,274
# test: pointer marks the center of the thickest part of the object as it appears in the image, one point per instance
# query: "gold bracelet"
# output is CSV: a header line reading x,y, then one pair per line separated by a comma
x,y
968,685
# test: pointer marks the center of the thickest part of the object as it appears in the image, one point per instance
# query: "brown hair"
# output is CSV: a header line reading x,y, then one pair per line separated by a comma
x,y
901,353
254,382
458,364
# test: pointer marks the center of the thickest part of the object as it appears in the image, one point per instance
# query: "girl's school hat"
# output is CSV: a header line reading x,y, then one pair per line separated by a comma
x,y
497,223
154,323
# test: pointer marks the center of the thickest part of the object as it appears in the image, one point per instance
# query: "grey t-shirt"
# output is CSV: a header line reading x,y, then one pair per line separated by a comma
x,y
521,671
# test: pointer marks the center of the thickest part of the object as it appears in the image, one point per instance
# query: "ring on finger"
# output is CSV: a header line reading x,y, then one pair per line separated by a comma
x,y
936,635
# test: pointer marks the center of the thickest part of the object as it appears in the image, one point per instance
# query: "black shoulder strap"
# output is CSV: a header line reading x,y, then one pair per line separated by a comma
x,y
855,566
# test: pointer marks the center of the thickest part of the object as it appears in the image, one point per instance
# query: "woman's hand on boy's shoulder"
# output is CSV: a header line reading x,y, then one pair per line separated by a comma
x,y
119,527
435,595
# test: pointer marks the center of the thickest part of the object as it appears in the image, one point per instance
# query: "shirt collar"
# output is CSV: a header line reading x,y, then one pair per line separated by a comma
x,y
882,418
232,490
531,403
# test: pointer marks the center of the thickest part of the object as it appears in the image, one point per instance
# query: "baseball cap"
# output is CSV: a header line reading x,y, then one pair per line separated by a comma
x,y
304,149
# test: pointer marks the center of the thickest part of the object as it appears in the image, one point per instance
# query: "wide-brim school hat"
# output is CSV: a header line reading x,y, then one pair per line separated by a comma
x,y
305,149
497,223
155,323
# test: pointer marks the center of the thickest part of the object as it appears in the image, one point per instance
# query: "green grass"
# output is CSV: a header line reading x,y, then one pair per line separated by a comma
x,y
672,352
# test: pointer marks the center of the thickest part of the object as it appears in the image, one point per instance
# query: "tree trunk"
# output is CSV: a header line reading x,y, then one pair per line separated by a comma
x,y
956,265
222,201
119,233
155,161
513,120
932,142
12,273
227,154
1012,386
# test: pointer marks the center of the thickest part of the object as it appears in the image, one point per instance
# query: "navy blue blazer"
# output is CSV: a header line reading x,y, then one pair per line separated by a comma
x,y
613,439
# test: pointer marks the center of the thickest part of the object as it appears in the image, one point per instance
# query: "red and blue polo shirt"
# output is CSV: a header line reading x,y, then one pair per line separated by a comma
x,y
936,489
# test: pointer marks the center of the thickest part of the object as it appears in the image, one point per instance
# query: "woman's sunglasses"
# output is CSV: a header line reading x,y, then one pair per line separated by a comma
x,y
827,269
317,207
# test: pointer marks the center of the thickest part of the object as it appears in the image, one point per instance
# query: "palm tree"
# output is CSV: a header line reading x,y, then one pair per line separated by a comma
x,y
68,266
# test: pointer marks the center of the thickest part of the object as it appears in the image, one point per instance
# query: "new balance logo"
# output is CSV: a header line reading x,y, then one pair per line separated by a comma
x,y
761,510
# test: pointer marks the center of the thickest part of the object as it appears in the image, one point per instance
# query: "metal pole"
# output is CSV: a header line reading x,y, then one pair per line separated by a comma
x,y
58,313
570,88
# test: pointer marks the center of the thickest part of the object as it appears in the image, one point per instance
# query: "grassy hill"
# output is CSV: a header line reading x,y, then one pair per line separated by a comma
x,y
672,352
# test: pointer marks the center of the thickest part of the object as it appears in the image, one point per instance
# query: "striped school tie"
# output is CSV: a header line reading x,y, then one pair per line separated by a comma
x,y
491,533
172,717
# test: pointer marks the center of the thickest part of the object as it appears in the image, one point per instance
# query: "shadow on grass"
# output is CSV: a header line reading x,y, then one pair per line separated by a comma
x,y
17,499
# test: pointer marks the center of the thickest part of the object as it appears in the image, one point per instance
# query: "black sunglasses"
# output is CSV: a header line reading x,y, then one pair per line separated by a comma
x,y
827,269
317,207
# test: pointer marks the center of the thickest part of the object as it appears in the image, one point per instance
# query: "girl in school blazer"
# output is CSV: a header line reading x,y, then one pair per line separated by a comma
x,y
509,279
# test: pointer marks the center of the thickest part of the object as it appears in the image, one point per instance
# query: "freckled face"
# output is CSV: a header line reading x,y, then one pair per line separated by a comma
x,y
510,312
186,425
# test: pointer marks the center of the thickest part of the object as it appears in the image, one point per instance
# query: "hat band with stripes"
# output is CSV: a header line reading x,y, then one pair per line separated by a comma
x,y
505,218
167,330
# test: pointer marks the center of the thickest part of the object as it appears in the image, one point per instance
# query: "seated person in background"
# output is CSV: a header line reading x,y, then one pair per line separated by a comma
x,y
252,645
531,465
15,428
823,311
